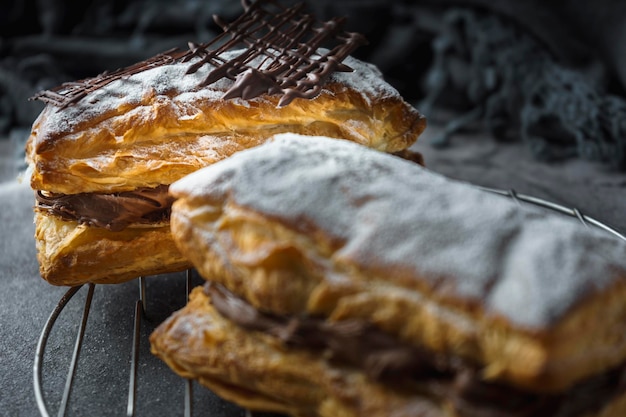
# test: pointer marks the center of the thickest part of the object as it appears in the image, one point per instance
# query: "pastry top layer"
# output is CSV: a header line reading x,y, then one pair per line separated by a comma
x,y
158,125
392,219
171,80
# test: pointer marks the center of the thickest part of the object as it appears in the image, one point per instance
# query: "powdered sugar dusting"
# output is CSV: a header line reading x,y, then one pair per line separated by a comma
x,y
522,263
173,82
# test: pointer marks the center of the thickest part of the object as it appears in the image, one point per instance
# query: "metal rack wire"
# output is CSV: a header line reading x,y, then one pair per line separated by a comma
x,y
573,212
141,309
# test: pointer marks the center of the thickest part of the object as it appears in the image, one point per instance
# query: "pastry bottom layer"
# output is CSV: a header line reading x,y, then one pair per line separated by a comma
x,y
259,372
72,254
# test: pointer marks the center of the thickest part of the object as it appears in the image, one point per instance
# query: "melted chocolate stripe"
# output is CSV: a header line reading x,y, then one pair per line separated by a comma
x,y
290,44
382,357
114,211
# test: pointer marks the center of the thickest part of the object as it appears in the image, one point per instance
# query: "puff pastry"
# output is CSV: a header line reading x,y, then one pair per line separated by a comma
x,y
143,132
318,251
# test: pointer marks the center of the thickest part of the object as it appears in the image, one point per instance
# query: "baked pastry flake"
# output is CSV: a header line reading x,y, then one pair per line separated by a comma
x,y
139,133
478,306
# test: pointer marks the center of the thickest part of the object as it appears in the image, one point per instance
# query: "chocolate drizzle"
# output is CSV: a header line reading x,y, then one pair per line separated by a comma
x,y
360,344
287,40
72,92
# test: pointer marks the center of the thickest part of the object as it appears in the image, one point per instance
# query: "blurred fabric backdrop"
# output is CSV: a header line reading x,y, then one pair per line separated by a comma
x,y
551,74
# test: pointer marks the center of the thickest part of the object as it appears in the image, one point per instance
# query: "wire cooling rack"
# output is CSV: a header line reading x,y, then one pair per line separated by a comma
x,y
148,313
67,382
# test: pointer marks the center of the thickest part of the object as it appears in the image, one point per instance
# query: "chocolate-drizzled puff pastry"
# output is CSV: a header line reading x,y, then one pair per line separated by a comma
x,y
391,288
140,133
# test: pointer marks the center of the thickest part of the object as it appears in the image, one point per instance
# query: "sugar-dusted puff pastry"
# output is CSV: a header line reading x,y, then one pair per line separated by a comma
x,y
94,161
342,281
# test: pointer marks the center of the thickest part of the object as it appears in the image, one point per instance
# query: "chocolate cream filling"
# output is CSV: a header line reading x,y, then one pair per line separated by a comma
x,y
357,343
114,211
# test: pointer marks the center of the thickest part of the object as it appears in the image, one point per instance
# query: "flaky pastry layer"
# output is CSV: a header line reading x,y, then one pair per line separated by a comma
x,y
259,372
255,371
288,273
313,226
155,127
72,254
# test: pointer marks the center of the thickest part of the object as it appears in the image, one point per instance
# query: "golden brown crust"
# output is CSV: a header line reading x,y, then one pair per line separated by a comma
x,y
153,128
72,254
256,371
284,272
109,144
344,246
